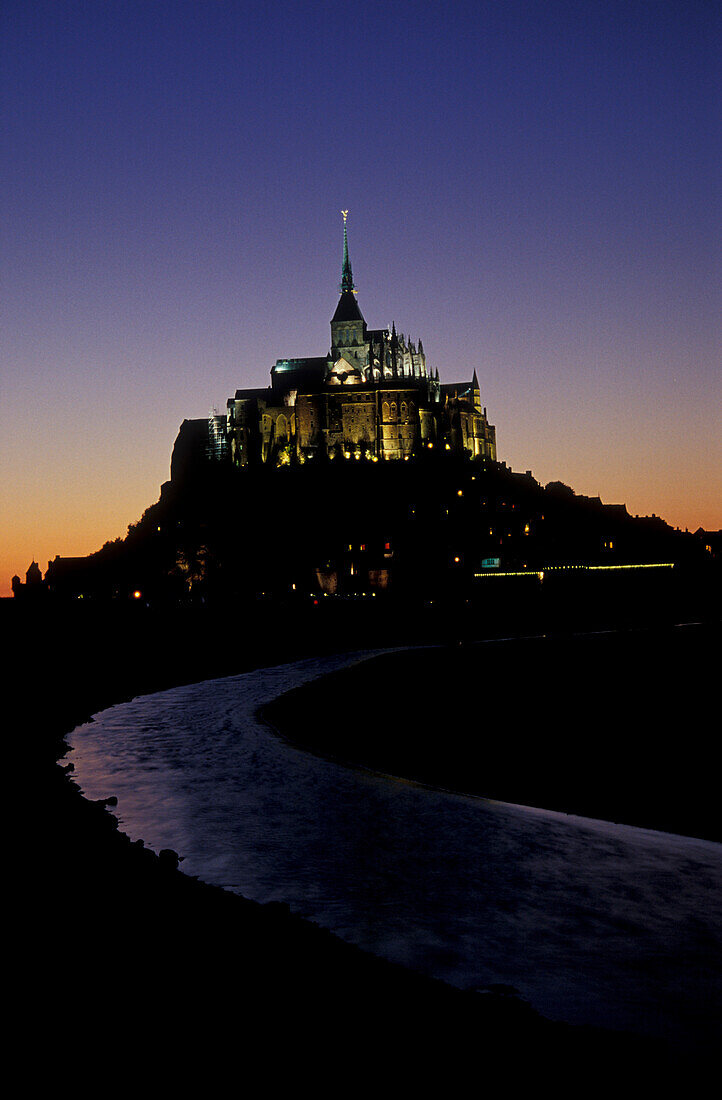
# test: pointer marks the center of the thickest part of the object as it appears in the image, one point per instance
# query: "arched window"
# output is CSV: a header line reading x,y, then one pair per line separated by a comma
x,y
385,410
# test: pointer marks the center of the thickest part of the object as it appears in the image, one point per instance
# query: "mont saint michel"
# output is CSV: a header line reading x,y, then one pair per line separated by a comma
x,y
361,474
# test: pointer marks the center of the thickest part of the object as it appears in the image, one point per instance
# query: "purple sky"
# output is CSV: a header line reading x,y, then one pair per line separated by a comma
x,y
533,189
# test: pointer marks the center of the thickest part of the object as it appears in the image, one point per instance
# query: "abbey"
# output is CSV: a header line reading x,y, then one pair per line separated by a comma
x,y
373,396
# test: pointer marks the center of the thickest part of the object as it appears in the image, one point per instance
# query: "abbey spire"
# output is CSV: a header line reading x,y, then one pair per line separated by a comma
x,y
346,274
347,309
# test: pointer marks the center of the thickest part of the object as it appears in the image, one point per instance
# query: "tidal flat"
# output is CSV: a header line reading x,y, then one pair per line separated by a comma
x,y
145,950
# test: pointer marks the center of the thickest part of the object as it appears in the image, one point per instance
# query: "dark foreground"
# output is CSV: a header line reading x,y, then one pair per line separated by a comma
x,y
128,966
612,725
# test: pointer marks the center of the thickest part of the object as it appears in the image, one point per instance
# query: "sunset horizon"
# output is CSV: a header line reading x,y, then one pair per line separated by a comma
x,y
534,197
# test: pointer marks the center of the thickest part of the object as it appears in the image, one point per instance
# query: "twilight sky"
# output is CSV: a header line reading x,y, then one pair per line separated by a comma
x,y
533,187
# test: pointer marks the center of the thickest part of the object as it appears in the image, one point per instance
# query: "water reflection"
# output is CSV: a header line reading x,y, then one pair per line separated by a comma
x,y
592,922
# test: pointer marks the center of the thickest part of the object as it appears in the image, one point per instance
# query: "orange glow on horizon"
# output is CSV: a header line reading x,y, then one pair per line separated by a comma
x,y
65,521
154,267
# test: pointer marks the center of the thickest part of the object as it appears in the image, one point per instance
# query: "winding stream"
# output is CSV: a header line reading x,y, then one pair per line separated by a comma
x,y
590,921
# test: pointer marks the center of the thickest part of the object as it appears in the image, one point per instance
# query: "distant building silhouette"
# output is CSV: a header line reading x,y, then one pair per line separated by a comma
x,y
34,586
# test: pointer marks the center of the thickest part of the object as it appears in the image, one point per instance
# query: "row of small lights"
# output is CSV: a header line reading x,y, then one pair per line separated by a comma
x,y
375,458
137,595
584,568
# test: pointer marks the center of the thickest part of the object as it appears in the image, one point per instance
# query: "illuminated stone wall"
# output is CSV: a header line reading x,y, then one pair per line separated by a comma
x,y
383,421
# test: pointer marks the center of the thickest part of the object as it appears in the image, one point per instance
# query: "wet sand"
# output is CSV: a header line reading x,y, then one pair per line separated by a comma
x,y
601,724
